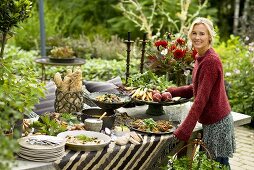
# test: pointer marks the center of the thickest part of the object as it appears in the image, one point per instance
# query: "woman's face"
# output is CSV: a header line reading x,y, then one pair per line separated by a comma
x,y
200,38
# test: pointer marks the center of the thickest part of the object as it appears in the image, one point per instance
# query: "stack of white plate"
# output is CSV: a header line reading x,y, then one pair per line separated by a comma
x,y
41,148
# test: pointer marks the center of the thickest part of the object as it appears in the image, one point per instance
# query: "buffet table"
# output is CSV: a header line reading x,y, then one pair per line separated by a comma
x,y
143,156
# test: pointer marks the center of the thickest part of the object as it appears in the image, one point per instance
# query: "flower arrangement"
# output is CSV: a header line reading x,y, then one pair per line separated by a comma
x,y
172,56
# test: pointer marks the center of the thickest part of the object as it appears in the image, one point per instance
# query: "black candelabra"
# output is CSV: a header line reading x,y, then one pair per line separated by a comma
x,y
143,53
128,43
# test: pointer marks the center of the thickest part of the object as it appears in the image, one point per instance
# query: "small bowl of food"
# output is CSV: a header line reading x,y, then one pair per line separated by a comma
x,y
95,112
93,124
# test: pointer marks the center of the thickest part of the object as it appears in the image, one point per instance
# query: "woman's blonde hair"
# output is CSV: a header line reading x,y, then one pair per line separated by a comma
x,y
209,25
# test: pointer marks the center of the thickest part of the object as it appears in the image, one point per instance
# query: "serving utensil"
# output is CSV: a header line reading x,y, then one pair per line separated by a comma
x,y
104,114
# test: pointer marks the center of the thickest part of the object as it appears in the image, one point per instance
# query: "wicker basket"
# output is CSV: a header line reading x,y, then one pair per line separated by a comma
x,y
196,144
68,102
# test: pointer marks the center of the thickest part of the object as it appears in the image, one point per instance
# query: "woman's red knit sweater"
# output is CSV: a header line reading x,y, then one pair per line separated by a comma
x,y
210,100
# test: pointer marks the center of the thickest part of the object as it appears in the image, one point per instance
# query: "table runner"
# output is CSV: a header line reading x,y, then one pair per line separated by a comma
x,y
114,157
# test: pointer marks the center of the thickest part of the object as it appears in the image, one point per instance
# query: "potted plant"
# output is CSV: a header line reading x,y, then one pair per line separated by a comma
x,y
62,54
19,88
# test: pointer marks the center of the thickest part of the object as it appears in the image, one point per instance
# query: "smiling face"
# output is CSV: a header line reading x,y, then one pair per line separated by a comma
x,y
200,38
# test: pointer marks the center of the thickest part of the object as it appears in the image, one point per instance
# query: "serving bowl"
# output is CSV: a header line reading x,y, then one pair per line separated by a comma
x,y
86,147
124,99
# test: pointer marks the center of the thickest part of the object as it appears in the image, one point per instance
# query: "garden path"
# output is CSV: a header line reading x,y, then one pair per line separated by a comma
x,y
243,159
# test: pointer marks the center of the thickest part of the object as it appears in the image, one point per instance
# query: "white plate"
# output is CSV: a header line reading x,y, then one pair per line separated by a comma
x,y
86,147
38,159
23,142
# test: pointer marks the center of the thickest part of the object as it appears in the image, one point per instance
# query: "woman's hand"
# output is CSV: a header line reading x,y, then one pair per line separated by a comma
x,y
172,90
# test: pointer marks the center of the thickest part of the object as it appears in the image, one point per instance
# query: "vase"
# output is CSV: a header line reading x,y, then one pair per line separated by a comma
x,y
178,78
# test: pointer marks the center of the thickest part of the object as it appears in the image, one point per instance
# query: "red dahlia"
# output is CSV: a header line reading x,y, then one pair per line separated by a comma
x,y
180,41
161,43
179,53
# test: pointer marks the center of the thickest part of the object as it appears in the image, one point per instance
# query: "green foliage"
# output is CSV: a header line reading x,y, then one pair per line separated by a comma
x,y
149,80
18,91
28,34
98,69
238,60
67,19
18,94
12,12
48,126
200,161
173,18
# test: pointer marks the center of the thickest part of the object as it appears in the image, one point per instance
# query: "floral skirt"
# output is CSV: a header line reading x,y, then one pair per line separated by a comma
x,y
219,137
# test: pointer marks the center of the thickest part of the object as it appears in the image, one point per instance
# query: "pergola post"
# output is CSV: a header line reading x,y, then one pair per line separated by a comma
x,y
42,29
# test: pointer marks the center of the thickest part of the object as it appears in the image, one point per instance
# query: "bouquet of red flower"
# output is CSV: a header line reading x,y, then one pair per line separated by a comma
x,y
172,56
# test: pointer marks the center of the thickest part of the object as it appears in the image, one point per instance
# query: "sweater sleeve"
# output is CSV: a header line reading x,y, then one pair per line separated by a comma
x,y
207,76
183,91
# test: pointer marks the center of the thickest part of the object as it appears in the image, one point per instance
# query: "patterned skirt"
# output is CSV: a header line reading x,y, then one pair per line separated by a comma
x,y
219,137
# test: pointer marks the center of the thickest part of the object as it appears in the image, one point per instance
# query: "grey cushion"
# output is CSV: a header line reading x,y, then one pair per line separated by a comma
x,y
108,86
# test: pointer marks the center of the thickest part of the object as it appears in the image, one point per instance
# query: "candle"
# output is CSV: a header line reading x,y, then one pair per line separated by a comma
x,y
129,36
144,37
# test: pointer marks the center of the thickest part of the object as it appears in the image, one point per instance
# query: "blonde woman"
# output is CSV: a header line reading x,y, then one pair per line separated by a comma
x,y
210,106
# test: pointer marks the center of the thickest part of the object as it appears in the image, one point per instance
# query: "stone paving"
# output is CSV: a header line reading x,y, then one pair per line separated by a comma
x,y
243,158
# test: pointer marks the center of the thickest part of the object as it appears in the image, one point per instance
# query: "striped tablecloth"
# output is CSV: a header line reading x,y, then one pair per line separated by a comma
x,y
113,157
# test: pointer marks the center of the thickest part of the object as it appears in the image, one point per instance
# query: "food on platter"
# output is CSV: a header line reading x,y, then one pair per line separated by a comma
x,y
153,95
109,98
82,139
150,125
166,96
109,101
130,136
121,130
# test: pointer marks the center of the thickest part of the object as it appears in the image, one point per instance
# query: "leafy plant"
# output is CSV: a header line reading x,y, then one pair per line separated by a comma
x,y
98,69
48,126
200,161
19,88
238,61
149,80
11,13
62,52
19,93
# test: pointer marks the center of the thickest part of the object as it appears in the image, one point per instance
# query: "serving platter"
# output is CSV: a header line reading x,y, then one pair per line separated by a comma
x,y
156,108
150,126
154,133
105,140
62,60
124,99
174,101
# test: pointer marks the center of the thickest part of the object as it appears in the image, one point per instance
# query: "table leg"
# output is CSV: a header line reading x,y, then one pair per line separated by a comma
x,y
43,75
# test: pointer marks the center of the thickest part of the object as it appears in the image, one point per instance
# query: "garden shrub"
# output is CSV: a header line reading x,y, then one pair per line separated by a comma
x,y
238,60
98,69
19,92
